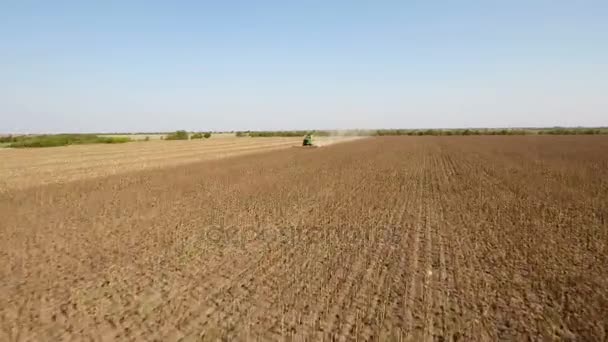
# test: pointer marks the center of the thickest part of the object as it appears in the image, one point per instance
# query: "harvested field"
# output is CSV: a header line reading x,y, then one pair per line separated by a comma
x,y
420,238
25,168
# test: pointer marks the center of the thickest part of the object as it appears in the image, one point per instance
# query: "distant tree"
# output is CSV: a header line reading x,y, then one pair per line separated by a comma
x,y
6,139
178,135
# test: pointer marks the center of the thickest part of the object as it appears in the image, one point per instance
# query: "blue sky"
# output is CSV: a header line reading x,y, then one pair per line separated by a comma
x,y
118,66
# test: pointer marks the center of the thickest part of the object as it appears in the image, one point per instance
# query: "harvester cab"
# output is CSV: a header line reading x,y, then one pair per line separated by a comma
x,y
307,140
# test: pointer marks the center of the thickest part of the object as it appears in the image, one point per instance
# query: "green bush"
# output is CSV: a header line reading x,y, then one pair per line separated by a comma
x,y
177,135
200,135
572,131
8,139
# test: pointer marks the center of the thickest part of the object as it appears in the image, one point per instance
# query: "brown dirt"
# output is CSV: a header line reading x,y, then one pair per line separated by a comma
x,y
419,238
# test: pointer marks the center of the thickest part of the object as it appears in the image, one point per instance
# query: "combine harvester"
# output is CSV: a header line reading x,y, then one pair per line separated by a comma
x,y
307,142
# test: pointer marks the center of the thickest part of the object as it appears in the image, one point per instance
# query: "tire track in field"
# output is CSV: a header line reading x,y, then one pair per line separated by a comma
x,y
442,286
391,326
412,317
451,306
430,288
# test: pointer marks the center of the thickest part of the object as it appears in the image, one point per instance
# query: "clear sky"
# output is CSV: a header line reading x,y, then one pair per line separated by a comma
x,y
119,66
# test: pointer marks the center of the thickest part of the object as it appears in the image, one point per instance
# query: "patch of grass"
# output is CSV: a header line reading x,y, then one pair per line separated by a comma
x,y
63,140
572,131
200,135
7,139
436,132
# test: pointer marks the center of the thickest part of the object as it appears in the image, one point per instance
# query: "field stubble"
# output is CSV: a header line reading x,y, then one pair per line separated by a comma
x,y
24,168
419,238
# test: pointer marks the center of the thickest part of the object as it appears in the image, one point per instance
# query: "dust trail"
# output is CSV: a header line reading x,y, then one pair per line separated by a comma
x,y
338,136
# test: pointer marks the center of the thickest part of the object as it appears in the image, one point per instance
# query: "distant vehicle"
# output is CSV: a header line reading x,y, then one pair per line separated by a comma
x,y
307,140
